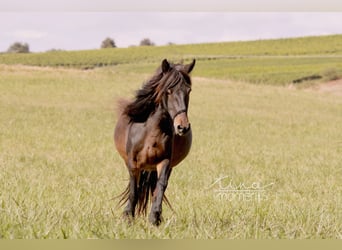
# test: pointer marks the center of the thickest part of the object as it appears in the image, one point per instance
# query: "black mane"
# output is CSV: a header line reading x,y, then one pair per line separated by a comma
x,y
150,95
144,102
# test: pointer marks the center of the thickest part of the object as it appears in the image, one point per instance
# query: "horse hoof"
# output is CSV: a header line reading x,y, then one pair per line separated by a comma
x,y
155,218
127,216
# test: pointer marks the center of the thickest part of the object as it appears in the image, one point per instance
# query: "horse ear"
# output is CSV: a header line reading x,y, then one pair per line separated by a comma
x,y
165,66
189,67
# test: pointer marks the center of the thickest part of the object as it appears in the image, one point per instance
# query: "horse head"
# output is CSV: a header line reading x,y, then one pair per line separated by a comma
x,y
176,92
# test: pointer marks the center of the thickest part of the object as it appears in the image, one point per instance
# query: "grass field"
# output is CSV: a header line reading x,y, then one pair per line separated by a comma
x,y
305,46
59,170
274,62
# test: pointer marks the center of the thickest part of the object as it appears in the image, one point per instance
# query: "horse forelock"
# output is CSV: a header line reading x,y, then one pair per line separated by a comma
x,y
174,79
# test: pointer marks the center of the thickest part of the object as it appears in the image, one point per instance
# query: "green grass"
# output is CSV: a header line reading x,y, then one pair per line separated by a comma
x,y
274,62
320,45
258,70
59,170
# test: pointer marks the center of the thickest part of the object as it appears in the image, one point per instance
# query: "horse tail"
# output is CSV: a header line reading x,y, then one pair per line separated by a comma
x,y
147,184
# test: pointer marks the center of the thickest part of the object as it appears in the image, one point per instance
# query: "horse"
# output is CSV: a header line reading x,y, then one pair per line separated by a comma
x,y
153,135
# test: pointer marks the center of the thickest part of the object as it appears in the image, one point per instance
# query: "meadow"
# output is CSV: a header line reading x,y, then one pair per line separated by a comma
x,y
274,62
59,169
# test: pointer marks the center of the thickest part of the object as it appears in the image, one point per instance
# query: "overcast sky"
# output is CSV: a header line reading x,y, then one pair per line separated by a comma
x,y
86,30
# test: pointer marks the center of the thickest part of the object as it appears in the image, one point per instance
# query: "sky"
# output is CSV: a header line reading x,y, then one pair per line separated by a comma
x,y
68,30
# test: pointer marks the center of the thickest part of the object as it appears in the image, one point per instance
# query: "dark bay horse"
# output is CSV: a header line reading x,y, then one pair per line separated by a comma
x,y
153,135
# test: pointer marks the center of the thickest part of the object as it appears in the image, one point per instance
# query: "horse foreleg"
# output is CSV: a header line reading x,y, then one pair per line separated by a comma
x,y
163,170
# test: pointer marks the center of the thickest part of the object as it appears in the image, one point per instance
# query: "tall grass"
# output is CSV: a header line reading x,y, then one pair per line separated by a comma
x,y
59,170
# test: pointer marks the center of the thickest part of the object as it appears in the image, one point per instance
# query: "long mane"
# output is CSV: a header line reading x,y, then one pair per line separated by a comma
x,y
150,95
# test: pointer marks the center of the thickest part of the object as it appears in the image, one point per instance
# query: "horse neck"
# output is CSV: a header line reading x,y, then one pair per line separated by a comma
x,y
161,117
161,111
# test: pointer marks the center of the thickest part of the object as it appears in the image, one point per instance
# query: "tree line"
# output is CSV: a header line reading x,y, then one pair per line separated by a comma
x,y
19,47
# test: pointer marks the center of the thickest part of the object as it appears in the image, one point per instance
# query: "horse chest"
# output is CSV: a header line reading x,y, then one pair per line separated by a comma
x,y
156,148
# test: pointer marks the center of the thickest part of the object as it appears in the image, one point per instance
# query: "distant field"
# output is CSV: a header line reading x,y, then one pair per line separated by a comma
x,y
258,70
59,170
276,62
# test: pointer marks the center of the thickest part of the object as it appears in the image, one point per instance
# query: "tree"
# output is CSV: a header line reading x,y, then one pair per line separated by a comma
x,y
108,43
18,47
146,42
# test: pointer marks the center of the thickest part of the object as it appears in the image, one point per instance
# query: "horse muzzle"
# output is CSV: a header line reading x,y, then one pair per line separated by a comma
x,y
181,123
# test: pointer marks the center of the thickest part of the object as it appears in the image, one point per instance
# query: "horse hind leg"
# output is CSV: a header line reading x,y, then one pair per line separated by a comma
x,y
132,200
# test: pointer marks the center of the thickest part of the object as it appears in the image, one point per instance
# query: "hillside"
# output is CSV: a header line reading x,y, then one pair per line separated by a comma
x,y
279,61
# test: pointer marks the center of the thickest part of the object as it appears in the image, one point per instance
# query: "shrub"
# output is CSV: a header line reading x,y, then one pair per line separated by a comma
x,y
18,47
108,43
146,42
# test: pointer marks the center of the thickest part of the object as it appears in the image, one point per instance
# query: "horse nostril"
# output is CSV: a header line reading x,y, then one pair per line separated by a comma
x,y
182,130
